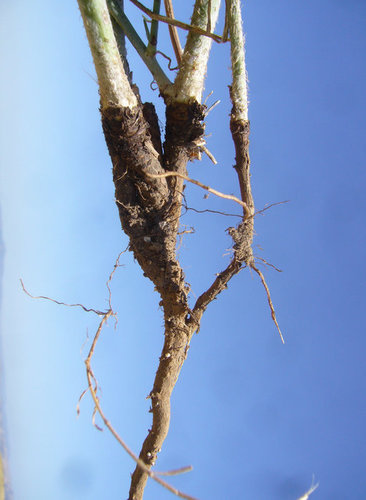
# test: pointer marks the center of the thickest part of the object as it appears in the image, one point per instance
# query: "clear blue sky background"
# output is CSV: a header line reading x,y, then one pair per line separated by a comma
x,y
254,417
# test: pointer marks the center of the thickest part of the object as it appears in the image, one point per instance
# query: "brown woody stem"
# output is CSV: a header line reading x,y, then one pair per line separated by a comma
x,y
177,337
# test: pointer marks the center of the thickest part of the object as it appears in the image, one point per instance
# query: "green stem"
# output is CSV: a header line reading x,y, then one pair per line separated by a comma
x,y
120,17
147,31
239,90
114,86
121,44
153,38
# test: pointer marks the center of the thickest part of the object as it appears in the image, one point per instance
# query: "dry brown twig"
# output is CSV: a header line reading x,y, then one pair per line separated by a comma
x,y
203,186
173,32
178,24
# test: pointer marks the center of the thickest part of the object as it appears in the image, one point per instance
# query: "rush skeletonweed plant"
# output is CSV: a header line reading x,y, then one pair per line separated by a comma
x,y
150,172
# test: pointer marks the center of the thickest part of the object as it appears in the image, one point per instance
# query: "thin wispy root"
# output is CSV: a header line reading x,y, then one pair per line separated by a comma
x,y
44,297
93,388
203,186
175,472
269,264
273,313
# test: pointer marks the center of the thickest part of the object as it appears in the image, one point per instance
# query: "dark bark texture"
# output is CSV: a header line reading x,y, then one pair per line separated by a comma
x,y
149,209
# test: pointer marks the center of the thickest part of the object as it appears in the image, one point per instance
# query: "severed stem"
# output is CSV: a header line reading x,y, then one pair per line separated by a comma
x,y
114,86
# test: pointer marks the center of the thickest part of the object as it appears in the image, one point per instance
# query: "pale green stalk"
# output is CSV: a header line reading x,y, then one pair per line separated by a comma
x,y
189,83
114,87
239,88
121,44
120,17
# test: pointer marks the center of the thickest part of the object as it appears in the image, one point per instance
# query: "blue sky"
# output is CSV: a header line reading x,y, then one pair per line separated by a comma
x,y
255,418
